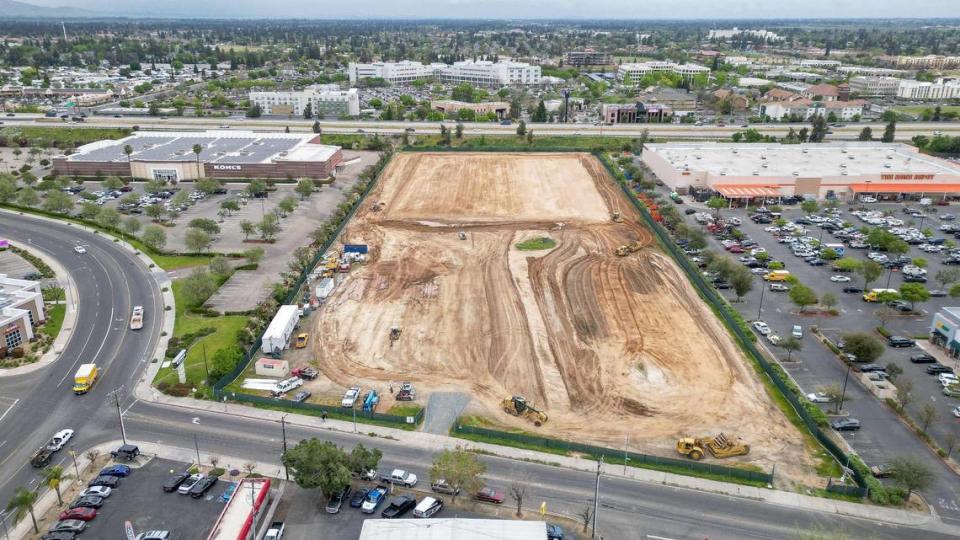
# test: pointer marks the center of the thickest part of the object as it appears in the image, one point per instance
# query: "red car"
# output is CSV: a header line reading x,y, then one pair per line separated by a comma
x,y
490,495
735,249
82,513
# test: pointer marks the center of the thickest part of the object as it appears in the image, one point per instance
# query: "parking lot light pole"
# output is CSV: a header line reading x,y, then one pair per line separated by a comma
x,y
843,392
283,428
762,289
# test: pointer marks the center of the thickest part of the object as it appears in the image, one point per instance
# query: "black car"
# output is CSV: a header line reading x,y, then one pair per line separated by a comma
x,y
721,285
853,289
174,481
846,424
399,506
90,501
105,481
816,262
336,500
127,452
951,260
936,369
358,497
202,486
871,368
923,358
900,305
900,341
59,535
689,211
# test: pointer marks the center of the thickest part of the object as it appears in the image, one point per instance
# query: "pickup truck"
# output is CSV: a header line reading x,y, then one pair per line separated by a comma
x,y
400,477
305,373
136,319
375,498
275,532
41,458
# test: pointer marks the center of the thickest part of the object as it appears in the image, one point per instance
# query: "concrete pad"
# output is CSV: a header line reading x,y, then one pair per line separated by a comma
x,y
14,265
242,292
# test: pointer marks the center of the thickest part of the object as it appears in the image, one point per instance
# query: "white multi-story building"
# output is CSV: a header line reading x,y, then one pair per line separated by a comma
x,y
326,100
874,86
806,109
818,63
941,89
479,73
871,71
738,61
931,61
733,32
639,70
21,308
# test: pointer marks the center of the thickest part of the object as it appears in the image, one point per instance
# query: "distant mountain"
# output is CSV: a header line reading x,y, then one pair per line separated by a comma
x,y
12,8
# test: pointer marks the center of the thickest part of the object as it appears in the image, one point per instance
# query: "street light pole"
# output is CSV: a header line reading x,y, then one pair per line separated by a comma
x,y
196,447
116,399
283,427
843,393
596,499
760,309
73,454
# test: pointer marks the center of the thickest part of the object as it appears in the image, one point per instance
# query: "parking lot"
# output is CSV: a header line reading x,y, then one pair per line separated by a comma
x,y
815,367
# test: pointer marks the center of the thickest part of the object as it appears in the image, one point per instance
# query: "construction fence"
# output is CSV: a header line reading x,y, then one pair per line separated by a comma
x,y
338,413
710,295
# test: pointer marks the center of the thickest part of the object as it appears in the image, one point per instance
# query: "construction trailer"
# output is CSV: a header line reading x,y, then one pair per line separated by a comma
x,y
325,287
278,334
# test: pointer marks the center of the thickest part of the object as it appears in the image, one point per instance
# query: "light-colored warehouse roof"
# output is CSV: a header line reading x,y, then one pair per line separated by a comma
x,y
452,529
804,160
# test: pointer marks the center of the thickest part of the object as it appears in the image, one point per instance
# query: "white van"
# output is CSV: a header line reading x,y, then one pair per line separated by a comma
x,y
427,507
287,385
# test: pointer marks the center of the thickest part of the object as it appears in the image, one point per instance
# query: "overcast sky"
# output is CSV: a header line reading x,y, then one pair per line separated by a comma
x,y
508,9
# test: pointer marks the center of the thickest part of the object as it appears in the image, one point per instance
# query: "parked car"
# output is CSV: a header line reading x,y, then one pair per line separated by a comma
x,y
853,289
106,481
335,502
881,471
59,440
923,358
83,513
845,424
819,397
761,327
870,368
115,470
936,369
490,495
188,484
374,498
554,532
171,484
89,501
399,506
441,486
59,535
779,287
840,279
350,397
797,331
302,396
427,507
154,535
203,486
96,491
900,341
70,525
127,452
359,496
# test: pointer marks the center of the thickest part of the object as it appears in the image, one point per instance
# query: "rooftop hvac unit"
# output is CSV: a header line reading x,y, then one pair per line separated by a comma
x,y
723,173
843,150
843,165
698,156
849,157
765,166
889,156
756,173
805,151
283,153
887,165
796,173
763,157
843,173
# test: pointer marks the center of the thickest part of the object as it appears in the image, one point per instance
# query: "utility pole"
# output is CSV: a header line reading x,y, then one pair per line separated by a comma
x,y
843,393
73,454
596,499
760,309
283,427
205,368
626,439
196,447
3,519
116,399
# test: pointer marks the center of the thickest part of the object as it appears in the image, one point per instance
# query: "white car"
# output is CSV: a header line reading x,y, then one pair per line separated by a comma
x,y
818,397
96,491
774,339
779,287
59,440
840,279
797,331
946,379
956,411
350,397
189,483
761,327
868,199
80,250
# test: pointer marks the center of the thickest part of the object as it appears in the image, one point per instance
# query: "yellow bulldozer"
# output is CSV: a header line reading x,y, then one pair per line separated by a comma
x,y
720,446
518,406
627,249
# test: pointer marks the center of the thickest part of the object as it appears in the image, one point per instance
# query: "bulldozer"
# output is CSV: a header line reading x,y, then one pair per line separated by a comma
x,y
518,406
627,249
615,217
720,446
394,334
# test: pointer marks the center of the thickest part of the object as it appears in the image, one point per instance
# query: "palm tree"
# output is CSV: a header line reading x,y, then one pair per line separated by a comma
x,y
21,504
128,150
196,150
54,476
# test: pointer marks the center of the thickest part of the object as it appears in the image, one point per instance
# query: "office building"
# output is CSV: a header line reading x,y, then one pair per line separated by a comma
x,y
478,73
326,101
21,308
587,57
637,71
920,90
874,86
805,109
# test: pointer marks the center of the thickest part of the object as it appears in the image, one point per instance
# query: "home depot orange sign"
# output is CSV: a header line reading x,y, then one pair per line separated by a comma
x,y
906,177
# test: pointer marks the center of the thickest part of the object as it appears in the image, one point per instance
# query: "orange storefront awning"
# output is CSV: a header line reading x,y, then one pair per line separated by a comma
x,y
905,188
746,191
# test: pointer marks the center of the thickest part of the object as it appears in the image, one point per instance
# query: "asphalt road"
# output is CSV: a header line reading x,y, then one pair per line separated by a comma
x,y
109,281
882,435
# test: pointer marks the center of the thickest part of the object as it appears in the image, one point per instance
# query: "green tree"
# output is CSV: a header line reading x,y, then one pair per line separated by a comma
x,y
28,197
108,217
206,225
316,127
809,206
318,464
113,183
890,132
256,186
866,134
8,188
197,240
791,345
223,361
89,210
308,111
207,185
829,300
862,345
913,293
54,477
363,459
540,114
287,205
197,287
247,227
230,206
253,255
459,130
847,264
58,201
132,225
153,211
268,227
870,271
911,473
947,276
521,128
717,203
154,237
460,469
219,266
742,282
305,188
254,111
21,504
802,296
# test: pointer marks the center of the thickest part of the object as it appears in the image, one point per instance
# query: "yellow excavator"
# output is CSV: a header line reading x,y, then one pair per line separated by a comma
x,y
518,406
627,249
720,446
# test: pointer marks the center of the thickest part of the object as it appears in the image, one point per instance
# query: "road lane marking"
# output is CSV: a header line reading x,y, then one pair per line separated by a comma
x,y
10,408
653,537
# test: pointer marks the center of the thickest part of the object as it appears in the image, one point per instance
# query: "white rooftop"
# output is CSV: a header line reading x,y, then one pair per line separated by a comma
x,y
788,160
452,529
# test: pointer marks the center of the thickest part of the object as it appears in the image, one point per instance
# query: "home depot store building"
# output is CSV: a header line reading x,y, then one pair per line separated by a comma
x,y
840,170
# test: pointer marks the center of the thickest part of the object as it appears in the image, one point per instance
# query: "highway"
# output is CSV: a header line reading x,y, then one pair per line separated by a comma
x,y
109,281
850,131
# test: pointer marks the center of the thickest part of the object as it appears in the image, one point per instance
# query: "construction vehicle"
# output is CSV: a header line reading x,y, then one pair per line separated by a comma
x,y
720,446
407,392
136,320
395,333
615,217
627,249
518,406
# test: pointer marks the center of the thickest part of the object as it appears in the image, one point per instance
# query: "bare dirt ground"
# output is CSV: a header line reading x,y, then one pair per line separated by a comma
x,y
608,346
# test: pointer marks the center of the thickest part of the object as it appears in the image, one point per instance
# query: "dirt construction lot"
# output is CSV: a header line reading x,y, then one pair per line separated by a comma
x,y
607,346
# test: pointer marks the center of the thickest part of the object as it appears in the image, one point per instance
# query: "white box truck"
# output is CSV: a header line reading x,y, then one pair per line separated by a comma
x,y
277,336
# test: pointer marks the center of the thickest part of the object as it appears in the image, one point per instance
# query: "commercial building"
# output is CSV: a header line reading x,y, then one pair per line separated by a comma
x,y
942,88
871,71
169,157
21,308
930,61
632,113
823,92
588,57
243,510
824,170
726,34
874,86
478,73
637,71
325,100
945,330
805,109
500,108
821,64
453,529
